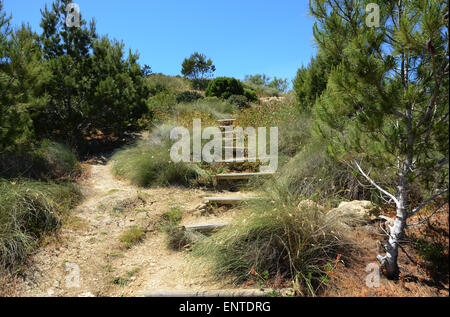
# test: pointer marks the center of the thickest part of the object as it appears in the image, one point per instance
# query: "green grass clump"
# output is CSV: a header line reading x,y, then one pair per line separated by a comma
x,y
174,215
150,165
28,209
217,108
131,236
275,238
60,161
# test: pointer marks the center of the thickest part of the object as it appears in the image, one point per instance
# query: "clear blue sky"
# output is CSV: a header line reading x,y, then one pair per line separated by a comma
x,y
240,36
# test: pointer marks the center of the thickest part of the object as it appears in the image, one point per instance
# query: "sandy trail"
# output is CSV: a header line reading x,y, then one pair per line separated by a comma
x,y
89,242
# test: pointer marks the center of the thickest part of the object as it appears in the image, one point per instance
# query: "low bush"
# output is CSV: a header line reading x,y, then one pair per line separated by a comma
x,y
268,115
250,94
262,91
158,82
239,101
188,96
275,237
216,108
224,87
50,160
28,209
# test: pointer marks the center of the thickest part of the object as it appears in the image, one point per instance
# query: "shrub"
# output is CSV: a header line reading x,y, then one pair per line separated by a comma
x,y
250,94
238,100
28,209
214,107
161,105
188,96
224,87
200,83
262,91
267,115
50,160
158,82
278,238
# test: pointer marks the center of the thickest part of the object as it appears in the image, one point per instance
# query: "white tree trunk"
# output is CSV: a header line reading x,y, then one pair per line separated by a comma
x,y
389,260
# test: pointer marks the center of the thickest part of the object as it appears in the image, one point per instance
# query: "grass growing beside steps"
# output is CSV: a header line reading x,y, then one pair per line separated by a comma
x,y
150,165
28,209
276,239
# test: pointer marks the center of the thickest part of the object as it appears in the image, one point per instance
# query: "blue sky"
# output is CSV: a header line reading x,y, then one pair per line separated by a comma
x,y
240,36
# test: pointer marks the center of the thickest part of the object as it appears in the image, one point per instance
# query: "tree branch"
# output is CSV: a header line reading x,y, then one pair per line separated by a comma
x,y
376,185
425,202
427,218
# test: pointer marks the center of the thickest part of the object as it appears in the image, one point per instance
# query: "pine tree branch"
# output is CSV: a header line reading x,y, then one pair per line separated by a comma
x,y
427,218
375,184
437,166
443,69
423,204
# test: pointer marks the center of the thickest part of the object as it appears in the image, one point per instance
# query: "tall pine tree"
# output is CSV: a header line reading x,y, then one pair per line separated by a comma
x,y
386,101
66,51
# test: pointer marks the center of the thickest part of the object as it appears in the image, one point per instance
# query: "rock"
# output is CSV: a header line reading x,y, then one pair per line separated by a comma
x,y
308,204
357,210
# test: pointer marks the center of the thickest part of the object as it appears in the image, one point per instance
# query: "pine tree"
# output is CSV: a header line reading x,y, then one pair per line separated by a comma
x,y
66,51
21,80
119,93
386,101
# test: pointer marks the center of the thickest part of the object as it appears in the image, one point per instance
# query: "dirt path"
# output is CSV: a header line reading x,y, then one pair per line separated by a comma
x,y
89,241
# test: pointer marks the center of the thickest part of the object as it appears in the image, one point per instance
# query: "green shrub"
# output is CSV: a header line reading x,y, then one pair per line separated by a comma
x,y
262,91
276,238
238,100
163,101
50,160
224,87
200,83
214,106
29,209
250,94
149,165
158,82
188,96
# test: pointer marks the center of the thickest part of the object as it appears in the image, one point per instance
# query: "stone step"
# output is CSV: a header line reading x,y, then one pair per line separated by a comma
x,y
245,292
238,176
230,200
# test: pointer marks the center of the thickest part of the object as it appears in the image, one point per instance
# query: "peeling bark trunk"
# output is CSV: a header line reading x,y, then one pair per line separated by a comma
x,y
389,260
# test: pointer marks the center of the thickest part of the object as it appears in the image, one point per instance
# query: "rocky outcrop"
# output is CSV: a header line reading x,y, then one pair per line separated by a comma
x,y
361,211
